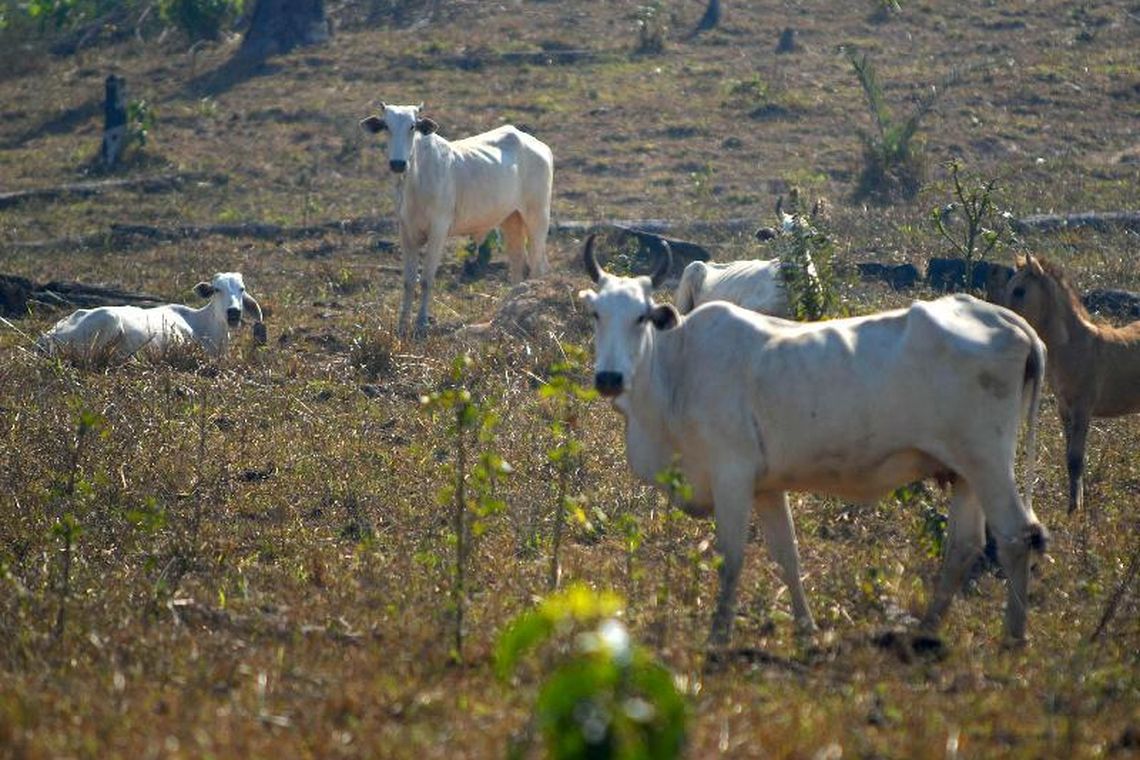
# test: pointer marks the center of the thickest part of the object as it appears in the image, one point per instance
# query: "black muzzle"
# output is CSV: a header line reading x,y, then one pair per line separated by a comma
x,y
608,384
398,166
233,317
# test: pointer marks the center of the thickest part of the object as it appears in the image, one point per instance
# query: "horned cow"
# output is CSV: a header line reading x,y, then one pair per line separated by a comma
x,y
750,406
501,178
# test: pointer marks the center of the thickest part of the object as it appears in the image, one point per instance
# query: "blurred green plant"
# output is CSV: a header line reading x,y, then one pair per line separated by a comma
x,y
985,229
472,490
603,696
63,14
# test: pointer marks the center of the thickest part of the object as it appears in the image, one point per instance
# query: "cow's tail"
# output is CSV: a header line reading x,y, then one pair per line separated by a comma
x,y
1034,382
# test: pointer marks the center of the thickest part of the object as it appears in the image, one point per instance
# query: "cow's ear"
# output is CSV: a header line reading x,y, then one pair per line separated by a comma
x,y
664,316
426,126
373,124
1034,265
204,289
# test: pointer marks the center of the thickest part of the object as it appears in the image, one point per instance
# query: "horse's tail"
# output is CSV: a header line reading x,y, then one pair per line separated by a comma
x,y
1034,381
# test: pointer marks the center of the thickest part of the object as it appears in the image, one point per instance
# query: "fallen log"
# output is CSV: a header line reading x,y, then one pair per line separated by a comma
x,y
18,295
159,184
1099,220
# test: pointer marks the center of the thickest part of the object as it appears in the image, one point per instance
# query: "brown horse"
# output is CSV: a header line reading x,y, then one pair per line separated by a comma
x,y
1094,369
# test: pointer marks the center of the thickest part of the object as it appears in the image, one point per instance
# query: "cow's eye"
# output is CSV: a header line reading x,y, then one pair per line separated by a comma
x,y
1019,292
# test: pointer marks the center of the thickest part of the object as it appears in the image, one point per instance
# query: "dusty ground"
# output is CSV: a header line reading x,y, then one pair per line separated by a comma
x,y
262,565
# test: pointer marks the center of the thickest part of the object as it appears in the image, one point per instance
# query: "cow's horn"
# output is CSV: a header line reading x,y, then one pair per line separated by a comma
x,y
592,267
664,264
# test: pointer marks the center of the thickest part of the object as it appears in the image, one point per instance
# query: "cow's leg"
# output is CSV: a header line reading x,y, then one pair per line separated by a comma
x,y
780,538
1076,425
537,226
514,241
433,254
732,500
411,249
965,538
1016,532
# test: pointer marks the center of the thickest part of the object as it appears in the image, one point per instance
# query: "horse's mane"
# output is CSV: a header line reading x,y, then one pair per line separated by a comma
x,y
1057,275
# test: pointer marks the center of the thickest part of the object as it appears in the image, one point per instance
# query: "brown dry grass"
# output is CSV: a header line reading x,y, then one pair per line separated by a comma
x,y
256,573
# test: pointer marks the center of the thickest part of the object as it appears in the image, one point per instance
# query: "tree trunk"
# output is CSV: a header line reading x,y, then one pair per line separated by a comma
x,y
278,26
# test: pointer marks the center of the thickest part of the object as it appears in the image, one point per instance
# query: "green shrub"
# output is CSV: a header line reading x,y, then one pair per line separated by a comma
x,y
200,19
807,257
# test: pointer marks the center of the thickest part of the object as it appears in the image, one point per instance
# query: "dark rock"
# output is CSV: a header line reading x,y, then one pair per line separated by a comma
x,y
1121,304
898,276
949,275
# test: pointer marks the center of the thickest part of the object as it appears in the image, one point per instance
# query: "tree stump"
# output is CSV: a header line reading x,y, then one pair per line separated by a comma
x,y
114,119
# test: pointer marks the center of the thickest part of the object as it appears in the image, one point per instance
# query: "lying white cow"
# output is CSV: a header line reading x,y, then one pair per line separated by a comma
x,y
500,178
125,330
750,406
756,285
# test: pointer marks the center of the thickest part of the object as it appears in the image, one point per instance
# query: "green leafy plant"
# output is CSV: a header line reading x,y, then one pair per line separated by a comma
x,y
984,228
67,528
141,120
564,396
472,490
603,696
677,491
200,19
893,158
807,263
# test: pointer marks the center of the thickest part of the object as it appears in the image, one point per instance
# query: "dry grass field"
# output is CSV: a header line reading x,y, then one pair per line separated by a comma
x,y
250,558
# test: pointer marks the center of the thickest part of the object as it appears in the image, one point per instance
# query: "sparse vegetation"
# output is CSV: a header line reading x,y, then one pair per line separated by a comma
x,y
982,230
264,567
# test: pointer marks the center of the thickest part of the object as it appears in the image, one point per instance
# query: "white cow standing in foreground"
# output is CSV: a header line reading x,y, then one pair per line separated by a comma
x,y
502,178
755,285
125,330
750,406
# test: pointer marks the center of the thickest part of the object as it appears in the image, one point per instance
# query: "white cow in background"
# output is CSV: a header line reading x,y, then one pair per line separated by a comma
x,y
755,284
750,406
125,330
502,178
